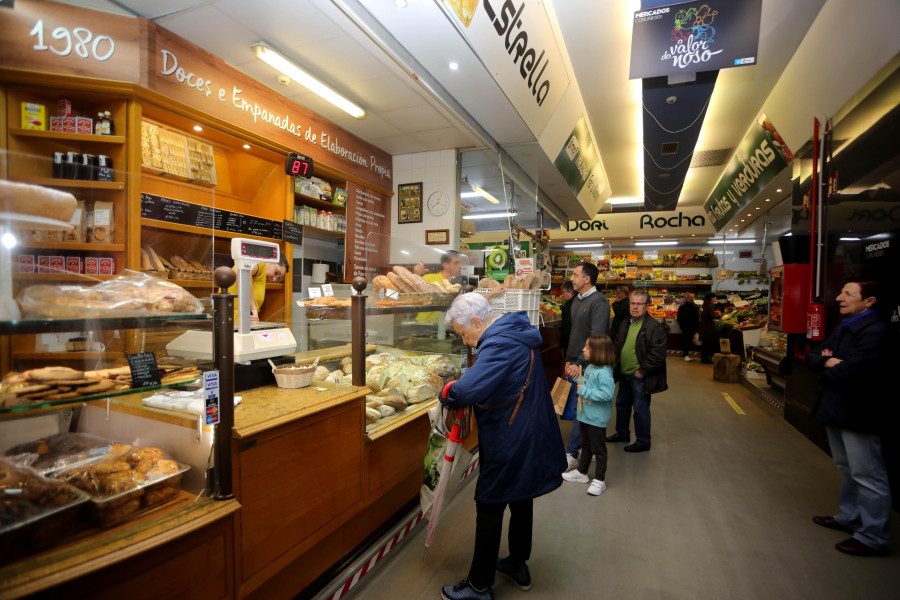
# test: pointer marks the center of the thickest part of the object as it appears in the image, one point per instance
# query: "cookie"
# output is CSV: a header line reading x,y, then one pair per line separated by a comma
x,y
29,389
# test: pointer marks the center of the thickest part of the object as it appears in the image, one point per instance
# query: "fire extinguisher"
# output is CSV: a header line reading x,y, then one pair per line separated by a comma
x,y
815,320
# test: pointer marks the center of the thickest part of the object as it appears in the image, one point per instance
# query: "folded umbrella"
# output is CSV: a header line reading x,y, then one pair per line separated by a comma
x,y
454,441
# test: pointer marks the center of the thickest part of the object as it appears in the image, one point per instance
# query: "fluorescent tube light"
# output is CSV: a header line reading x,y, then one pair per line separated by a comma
x,y
656,243
286,67
471,195
494,215
594,245
735,241
849,239
624,201
479,191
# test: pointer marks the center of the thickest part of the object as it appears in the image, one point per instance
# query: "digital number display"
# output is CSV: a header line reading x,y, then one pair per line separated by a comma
x,y
298,165
259,251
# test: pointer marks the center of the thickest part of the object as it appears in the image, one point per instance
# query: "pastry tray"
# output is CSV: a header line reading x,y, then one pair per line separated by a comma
x,y
87,448
47,526
112,509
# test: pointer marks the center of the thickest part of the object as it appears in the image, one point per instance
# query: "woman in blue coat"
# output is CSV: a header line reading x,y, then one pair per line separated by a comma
x,y
519,442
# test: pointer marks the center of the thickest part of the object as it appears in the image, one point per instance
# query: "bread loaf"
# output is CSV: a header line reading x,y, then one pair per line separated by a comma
x,y
400,285
26,199
488,283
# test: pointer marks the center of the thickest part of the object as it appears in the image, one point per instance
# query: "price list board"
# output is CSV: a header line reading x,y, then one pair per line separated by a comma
x,y
367,211
170,210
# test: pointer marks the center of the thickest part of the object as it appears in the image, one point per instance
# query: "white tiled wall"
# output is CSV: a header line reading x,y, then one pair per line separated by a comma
x,y
437,172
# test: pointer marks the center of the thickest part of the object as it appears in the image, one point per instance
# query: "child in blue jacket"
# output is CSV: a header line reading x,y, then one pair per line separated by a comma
x,y
596,394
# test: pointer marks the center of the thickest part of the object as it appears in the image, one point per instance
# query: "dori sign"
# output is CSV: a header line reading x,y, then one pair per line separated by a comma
x,y
681,222
694,36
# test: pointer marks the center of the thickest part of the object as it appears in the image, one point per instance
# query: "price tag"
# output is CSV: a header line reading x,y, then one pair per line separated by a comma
x,y
144,370
468,270
326,289
211,397
315,292
392,294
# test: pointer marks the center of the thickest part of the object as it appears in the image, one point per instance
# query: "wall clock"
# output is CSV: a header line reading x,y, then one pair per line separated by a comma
x,y
438,203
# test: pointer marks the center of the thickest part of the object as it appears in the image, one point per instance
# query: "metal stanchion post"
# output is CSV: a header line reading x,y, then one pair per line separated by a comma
x,y
223,357
358,328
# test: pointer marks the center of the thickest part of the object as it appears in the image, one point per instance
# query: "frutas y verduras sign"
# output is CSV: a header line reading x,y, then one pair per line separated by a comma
x,y
760,157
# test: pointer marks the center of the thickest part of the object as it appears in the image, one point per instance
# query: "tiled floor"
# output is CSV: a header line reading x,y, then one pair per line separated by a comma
x,y
720,508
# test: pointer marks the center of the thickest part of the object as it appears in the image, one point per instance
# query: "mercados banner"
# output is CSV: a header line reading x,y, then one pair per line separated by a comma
x,y
694,36
761,156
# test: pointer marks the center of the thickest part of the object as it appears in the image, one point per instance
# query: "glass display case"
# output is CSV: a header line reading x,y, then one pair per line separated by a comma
x,y
410,351
84,333
771,353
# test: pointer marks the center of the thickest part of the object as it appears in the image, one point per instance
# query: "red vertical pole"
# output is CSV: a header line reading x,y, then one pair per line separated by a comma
x,y
812,208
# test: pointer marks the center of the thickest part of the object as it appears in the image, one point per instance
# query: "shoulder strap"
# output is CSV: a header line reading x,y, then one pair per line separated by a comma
x,y
518,399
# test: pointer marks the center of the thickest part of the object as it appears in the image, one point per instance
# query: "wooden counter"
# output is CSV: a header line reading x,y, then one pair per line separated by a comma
x,y
147,548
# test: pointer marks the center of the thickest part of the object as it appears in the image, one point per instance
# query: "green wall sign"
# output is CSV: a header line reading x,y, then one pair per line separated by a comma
x,y
757,161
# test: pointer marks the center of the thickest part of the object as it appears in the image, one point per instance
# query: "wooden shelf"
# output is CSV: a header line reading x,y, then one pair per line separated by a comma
x,y
59,277
61,355
73,183
200,230
316,203
73,137
84,246
174,177
191,283
274,286
323,234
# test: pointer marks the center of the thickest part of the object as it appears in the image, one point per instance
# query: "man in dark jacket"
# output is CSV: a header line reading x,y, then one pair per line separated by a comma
x,y
689,321
519,440
640,370
853,373
590,316
620,310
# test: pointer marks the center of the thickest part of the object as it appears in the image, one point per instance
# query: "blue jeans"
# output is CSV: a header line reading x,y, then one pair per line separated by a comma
x,y
865,500
632,396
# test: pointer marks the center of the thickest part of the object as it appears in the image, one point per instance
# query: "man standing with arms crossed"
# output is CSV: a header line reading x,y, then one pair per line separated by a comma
x,y
853,370
641,371
590,316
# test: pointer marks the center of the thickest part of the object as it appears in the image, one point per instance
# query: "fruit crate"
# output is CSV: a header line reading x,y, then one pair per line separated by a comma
x,y
516,300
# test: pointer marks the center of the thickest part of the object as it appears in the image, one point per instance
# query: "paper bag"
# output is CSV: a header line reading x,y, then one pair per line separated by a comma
x,y
560,394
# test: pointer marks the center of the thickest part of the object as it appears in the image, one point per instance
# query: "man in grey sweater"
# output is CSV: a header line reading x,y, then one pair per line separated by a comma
x,y
590,316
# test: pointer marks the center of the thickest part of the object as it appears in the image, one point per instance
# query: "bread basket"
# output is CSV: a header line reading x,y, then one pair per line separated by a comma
x,y
293,376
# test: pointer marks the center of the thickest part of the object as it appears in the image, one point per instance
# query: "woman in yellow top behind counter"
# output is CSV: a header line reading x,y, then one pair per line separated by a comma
x,y
272,273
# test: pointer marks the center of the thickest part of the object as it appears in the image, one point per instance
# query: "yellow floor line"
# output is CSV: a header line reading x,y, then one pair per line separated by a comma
x,y
733,404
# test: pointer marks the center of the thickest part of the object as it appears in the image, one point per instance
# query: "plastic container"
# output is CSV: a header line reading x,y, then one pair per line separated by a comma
x,y
294,377
38,522
59,451
516,300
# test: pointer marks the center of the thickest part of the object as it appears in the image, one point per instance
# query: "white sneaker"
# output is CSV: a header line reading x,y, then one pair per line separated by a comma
x,y
688,359
571,462
597,487
576,476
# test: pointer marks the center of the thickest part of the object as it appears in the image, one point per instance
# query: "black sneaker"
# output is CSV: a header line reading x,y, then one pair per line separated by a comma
x,y
464,591
521,577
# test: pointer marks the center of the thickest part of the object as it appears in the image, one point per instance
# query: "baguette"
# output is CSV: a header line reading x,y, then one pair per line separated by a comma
x,y
417,283
400,285
510,282
146,264
154,258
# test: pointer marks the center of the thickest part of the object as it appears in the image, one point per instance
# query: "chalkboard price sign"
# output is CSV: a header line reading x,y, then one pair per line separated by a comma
x,y
160,208
144,370
292,232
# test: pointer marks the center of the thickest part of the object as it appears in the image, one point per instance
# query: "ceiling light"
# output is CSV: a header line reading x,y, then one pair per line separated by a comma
x,y
749,215
757,208
778,190
768,199
481,192
246,146
454,66
493,215
404,252
849,239
624,201
197,128
585,245
283,65
471,195
400,3
714,241
660,243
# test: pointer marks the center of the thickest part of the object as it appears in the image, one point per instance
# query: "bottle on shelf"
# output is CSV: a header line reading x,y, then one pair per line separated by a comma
x,y
110,129
98,124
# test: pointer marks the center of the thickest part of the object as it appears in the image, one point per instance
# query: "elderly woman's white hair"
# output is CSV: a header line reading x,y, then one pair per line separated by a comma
x,y
467,306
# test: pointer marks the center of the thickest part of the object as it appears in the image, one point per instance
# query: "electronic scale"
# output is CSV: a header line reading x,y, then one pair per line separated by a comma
x,y
261,340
